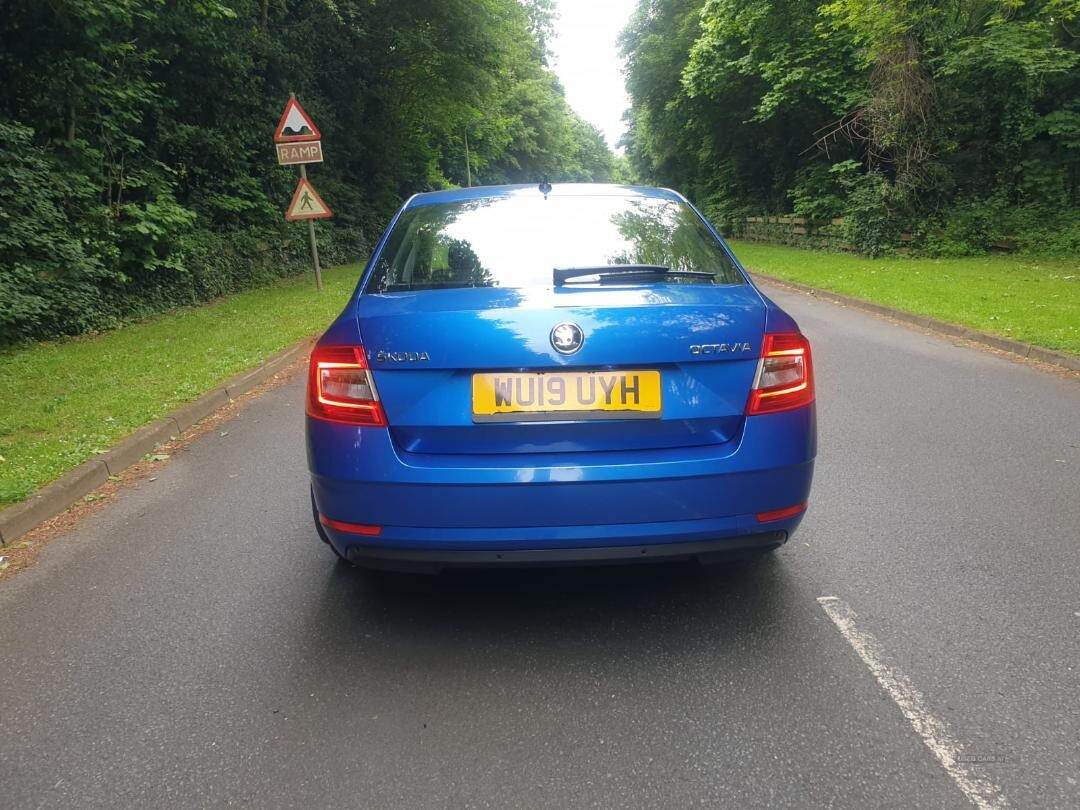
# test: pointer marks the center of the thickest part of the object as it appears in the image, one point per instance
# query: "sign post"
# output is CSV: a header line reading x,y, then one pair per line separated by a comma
x,y
297,141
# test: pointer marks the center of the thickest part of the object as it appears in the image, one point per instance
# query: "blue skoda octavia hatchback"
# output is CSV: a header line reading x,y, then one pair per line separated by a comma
x,y
567,374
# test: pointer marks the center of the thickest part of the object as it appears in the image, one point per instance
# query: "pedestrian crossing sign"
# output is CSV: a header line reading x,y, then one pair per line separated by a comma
x,y
307,204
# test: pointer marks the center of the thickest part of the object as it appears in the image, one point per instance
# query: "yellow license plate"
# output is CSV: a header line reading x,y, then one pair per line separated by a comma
x,y
586,394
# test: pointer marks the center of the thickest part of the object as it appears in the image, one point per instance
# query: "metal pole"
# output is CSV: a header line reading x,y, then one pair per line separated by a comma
x,y
311,230
314,245
468,163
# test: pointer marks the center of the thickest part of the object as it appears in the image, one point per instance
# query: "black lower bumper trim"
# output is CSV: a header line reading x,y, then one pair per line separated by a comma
x,y
409,559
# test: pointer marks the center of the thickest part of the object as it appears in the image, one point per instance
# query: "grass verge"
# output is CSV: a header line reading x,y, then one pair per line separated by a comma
x,y
64,401
1024,298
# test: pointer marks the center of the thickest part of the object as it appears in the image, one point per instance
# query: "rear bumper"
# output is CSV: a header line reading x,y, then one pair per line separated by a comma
x,y
575,507
434,560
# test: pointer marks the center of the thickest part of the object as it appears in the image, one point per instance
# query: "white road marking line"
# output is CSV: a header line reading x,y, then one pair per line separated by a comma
x,y
934,733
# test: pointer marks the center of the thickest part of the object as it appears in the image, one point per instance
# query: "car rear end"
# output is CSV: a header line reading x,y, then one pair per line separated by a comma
x,y
585,375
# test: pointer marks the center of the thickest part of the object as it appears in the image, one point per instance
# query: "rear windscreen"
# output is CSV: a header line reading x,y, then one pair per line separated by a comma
x,y
518,241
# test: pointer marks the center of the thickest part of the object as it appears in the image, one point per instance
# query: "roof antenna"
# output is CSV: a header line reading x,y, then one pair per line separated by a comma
x,y
545,187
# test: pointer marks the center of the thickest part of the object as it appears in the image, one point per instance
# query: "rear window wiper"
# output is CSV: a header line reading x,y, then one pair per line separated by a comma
x,y
563,275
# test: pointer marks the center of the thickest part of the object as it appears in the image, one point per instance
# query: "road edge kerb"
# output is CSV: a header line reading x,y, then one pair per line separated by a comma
x,y
72,486
1017,347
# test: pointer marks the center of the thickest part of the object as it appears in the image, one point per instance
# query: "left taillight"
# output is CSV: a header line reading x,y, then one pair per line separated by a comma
x,y
340,387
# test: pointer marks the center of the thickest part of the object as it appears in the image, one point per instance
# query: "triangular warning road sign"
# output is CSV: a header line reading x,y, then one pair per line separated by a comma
x,y
295,125
307,204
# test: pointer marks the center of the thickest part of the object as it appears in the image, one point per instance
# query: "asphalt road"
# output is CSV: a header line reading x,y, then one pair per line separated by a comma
x,y
193,644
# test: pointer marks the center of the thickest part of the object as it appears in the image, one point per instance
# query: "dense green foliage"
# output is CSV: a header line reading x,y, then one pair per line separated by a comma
x,y
955,120
136,164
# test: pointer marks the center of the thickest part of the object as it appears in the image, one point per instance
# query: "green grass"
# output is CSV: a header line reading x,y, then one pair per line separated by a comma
x,y
1025,298
62,402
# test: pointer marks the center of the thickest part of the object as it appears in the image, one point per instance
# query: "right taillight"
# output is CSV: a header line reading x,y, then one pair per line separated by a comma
x,y
340,387
785,375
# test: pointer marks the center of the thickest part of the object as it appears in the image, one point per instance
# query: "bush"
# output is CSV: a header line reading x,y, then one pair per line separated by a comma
x,y
51,266
69,264
821,188
870,224
975,227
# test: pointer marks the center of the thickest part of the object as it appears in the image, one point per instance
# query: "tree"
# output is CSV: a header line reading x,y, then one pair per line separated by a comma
x,y
956,119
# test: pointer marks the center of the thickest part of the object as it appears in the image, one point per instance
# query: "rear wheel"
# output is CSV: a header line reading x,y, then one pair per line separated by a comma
x,y
757,555
322,532
744,556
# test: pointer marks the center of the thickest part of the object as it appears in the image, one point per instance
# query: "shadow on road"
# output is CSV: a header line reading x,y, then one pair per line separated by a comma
x,y
618,608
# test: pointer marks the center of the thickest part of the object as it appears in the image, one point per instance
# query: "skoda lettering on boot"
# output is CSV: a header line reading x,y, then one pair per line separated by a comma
x,y
402,357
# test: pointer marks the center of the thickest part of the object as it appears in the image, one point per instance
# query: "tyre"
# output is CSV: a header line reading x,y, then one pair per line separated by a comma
x,y
742,556
322,532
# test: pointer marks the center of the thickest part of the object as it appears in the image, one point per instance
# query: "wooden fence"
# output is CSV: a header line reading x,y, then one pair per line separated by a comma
x,y
788,229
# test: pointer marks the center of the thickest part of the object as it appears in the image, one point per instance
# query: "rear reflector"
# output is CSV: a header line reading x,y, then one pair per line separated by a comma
x,y
785,375
340,387
351,528
781,514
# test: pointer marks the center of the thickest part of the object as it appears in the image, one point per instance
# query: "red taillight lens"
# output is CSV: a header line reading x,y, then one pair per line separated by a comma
x,y
785,376
340,387
781,514
352,528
